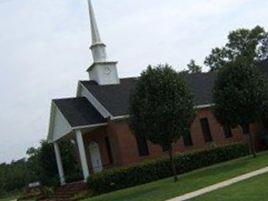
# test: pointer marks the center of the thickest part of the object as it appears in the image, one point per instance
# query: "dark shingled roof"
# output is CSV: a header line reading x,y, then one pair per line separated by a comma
x,y
201,85
79,111
115,98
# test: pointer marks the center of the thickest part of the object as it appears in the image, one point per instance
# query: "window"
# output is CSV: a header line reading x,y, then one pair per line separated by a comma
x,y
165,148
142,146
187,139
227,131
109,150
206,129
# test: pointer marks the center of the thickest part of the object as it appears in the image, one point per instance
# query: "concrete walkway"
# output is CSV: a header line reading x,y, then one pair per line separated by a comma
x,y
220,185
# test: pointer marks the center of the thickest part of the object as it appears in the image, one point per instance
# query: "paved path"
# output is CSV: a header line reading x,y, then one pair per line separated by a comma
x,y
220,185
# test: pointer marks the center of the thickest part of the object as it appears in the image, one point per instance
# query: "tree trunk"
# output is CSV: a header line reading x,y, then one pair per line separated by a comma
x,y
251,143
172,163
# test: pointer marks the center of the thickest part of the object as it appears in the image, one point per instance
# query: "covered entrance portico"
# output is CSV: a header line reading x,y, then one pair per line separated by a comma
x,y
69,123
94,156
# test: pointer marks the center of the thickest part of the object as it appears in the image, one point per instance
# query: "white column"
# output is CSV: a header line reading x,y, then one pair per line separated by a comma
x,y
82,153
59,163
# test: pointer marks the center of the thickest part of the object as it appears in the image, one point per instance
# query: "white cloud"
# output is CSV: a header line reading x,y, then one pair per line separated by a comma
x,y
44,49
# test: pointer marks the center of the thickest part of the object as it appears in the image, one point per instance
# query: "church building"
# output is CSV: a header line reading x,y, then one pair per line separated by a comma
x,y
97,117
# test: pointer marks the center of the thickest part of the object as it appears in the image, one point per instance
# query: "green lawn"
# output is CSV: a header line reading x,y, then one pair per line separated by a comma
x,y
254,189
166,188
9,197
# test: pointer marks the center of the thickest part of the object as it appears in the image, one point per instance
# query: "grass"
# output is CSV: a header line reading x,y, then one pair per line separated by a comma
x,y
254,189
10,197
165,189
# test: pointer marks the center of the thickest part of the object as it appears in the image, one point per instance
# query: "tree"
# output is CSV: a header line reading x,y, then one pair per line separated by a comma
x,y
161,108
39,166
13,176
250,43
193,67
42,162
240,93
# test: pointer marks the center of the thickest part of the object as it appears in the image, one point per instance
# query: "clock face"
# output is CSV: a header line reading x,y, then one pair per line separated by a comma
x,y
107,71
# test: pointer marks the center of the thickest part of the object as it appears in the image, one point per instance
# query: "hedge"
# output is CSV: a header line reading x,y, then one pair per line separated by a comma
x,y
115,179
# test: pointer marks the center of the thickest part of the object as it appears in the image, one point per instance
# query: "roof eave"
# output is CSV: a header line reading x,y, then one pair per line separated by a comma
x,y
127,115
90,126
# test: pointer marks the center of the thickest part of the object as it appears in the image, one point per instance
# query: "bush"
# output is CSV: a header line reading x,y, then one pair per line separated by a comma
x,y
111,180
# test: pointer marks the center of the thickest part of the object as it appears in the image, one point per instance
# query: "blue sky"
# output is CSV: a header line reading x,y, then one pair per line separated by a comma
x,y
44,49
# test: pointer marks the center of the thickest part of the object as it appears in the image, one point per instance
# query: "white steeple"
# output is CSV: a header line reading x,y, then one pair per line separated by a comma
x,y
97,47
102,71
94,28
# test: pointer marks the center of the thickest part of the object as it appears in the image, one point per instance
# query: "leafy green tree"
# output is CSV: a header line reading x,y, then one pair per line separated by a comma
x,y
240,94
193,67
13,176
39,166
43,164
161,108
250,43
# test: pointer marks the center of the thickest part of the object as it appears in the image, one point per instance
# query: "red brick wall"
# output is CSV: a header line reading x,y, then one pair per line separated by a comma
x,y
98,135
124,146
128,146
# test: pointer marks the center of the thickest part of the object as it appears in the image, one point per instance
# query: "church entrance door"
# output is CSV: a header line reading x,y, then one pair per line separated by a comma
x,y
95,157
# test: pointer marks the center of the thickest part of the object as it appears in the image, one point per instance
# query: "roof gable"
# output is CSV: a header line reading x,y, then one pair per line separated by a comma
x,y
58,125
72,113
79,111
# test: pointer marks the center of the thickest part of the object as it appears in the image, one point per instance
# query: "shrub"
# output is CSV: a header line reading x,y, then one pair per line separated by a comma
x,y
111,180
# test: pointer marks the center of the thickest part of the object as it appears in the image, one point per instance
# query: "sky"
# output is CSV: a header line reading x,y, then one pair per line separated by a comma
x,y
44,49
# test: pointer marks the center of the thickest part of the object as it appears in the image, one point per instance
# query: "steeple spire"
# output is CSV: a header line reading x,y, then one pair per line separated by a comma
x,y
97,47
94,27
104,72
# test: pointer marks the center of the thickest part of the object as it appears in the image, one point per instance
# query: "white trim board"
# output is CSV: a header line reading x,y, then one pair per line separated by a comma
x,y
127,115
82,91
59,125
204,106
89,126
